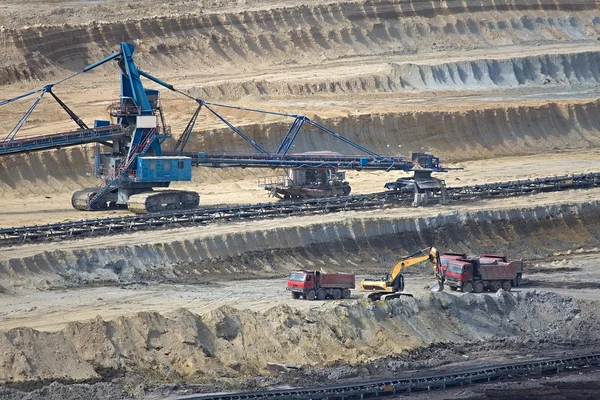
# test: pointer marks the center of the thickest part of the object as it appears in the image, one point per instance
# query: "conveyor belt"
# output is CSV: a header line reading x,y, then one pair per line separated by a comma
x,y
391,386
206,215
58,140
347,162
173,219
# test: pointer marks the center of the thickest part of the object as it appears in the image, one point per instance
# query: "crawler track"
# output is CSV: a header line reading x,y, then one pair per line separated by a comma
x,y
388,387
206,215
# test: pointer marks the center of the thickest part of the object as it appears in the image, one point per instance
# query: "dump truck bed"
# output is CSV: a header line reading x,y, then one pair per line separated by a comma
x,y
498,271
490,258
346,281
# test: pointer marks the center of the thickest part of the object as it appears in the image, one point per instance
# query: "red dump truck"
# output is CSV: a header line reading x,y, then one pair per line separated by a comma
x,y
312,285
472,275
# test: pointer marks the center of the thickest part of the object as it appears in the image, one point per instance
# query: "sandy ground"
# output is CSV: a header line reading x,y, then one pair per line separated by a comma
x,y
100,88
57,208
210,231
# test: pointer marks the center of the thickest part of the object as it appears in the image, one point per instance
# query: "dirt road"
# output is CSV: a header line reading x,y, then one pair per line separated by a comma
x,y
55,206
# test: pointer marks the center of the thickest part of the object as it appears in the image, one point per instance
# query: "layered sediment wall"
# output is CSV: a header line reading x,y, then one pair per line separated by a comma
x,y
295,33
357,243
542,72
47,172
453,135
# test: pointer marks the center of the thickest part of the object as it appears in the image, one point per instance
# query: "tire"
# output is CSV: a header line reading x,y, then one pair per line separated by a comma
x,y
494,286
518,281
310,295
295,295
478,287
321,295
337,294
467,287
346,293
506,286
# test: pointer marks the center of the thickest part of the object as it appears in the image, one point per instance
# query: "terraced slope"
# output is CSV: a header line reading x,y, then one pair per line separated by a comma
x,y
296,34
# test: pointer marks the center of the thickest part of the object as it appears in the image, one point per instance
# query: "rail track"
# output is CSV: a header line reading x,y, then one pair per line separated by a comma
x,y
207,215
421,383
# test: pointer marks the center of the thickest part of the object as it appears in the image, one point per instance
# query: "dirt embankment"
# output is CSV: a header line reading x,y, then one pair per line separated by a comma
x,y
294,34
453,136
359,243
47,172
482,74
228,343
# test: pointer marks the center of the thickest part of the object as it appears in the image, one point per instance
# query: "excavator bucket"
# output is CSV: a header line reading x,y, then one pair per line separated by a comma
x,y
437,287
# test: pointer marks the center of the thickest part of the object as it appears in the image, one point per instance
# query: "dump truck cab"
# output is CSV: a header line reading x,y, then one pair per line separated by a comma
x,y
301,280
445,258
458,271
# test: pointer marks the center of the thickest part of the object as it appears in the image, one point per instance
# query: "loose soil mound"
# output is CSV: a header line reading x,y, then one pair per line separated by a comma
x,y
232,343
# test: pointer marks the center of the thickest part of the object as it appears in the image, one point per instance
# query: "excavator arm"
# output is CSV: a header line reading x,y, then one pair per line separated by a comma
x,y
394,283
422,255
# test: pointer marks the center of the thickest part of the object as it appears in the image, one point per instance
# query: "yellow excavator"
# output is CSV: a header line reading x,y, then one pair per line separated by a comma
x,y
393,284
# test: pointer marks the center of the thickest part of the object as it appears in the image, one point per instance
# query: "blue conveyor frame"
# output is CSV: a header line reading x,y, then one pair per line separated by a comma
x,y
131,86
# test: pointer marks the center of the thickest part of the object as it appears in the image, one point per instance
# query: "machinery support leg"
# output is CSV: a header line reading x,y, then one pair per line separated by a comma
x,y
444,199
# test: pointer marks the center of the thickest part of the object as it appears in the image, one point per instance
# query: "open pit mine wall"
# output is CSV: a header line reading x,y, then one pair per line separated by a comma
x,y
292,34
229,343
453,136
348,244
483,74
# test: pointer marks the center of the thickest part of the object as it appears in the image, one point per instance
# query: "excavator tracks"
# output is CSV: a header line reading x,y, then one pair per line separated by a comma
x,y
143,203
81,198
107,201
163,200
206,215
387,296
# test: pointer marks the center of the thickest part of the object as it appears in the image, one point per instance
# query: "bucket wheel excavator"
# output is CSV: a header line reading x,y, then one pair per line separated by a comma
x,y
136,169
135,165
